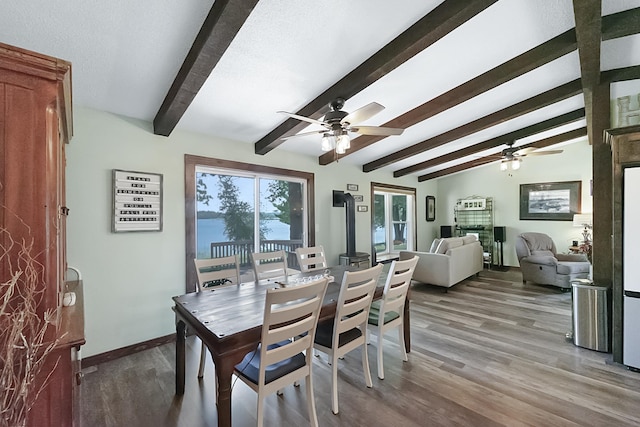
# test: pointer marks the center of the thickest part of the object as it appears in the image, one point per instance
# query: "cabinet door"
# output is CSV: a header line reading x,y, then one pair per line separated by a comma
x,y
29,170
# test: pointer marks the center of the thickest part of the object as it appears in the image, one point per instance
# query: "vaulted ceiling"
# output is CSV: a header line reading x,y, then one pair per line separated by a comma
x,y
462,77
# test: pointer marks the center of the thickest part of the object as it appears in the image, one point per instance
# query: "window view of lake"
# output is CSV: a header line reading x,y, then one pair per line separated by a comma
x,y
212,230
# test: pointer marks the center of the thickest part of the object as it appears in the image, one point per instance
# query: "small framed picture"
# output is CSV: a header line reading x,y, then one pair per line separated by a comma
x,y
352,187
363,208
431,208
358,198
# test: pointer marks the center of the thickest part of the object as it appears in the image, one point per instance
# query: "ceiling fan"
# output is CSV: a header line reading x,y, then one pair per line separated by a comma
x,y
337,124
511,156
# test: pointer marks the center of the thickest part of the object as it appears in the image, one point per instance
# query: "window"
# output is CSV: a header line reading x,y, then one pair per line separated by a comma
x,y
238,208
393,220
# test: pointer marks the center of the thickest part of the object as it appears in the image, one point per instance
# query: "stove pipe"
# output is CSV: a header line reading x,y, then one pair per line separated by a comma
x,y
351,223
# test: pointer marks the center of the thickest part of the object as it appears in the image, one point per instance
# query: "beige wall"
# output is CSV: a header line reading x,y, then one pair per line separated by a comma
x,y
130,277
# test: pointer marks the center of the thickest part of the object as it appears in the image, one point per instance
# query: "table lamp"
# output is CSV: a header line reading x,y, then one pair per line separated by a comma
x,y
585,221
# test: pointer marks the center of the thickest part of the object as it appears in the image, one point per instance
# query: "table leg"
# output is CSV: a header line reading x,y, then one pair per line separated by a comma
x,y
180,356
224,372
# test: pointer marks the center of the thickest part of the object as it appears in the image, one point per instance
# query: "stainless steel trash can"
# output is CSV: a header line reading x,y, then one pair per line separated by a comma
x,y
589,313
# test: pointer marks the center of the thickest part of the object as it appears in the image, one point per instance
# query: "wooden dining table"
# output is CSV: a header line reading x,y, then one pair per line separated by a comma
x,y
229,320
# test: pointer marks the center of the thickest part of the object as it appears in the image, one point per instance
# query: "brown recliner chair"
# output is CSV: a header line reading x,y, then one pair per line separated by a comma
x,y
540,263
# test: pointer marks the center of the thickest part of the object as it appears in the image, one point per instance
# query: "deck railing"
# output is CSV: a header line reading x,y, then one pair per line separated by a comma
x,y
244,248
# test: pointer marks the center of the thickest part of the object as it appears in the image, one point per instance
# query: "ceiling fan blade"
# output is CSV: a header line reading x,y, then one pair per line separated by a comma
x,y
542,153
314,132
362,114
376,130
304,119
524,151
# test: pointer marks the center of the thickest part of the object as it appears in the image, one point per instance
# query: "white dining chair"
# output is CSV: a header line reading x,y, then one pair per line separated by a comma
x,y
278,360
311,258
267,265
388,313
348,330
215,273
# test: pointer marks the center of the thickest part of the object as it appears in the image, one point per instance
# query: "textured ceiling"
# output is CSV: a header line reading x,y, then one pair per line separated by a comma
x,y
126,54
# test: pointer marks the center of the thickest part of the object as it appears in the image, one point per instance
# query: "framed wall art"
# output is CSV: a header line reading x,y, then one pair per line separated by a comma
x,y
431,208
555,201
137,201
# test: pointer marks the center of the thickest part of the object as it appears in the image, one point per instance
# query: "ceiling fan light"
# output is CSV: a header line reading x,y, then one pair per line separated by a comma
x,y
342,144
328,142
504,165
515,164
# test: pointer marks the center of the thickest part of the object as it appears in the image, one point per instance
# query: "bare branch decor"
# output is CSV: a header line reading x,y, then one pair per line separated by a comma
x,y
25,335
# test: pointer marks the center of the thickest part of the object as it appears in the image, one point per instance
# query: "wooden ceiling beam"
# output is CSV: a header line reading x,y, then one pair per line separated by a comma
x,y
218,30
445,18
620,74
516,67
524,132
553,140
588,17
621,24
614,25
544,99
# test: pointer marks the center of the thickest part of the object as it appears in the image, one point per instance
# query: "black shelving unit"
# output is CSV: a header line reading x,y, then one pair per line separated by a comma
x,y
475,215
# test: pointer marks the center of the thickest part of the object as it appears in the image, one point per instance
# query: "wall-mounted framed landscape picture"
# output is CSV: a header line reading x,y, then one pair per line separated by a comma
x,y
555,201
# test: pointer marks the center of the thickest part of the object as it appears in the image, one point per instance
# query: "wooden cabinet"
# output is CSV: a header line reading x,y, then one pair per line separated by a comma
x,y
35,125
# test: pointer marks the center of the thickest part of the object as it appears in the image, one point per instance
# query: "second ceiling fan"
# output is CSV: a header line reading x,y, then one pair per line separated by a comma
x,y
337,124
511,156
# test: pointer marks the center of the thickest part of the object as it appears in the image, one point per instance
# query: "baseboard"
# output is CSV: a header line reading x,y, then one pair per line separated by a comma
x,y
126,351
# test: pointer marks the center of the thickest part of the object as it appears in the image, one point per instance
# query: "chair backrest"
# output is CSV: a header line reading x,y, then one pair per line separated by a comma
x,y
218,271
356,294
269,264
311,258
290,312
397,286
527,243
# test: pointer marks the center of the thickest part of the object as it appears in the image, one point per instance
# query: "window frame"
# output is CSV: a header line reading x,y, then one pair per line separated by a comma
x,y
191,163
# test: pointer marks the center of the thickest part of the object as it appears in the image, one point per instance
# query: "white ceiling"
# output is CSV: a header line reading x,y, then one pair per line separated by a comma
x,y
125,55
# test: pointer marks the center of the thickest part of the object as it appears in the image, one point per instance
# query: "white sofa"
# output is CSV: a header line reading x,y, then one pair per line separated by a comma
x,y
448,262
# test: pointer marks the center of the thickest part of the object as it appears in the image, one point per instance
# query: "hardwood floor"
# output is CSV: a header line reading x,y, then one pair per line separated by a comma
x,y
489,352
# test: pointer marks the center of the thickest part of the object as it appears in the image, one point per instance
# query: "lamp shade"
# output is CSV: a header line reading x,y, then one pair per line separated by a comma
x,y
582,220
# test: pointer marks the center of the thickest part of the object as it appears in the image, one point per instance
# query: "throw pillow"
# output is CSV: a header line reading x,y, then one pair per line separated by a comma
x,y
434,246
449,243
469,238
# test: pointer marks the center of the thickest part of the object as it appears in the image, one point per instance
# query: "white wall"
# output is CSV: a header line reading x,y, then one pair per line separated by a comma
x,y
574,164
129,278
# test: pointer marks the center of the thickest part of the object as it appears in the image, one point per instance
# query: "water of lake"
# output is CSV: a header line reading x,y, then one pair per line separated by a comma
x,y
212,230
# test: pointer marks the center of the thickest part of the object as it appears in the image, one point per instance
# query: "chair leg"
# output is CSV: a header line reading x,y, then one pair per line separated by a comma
x,y
380,358
311,403
365,367
334,385
403,350
203,354
260,415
